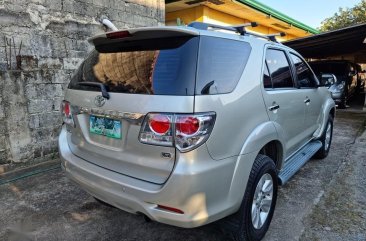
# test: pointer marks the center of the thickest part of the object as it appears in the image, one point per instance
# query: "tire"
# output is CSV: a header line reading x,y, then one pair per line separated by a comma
x,y
343,103
241,226
324,150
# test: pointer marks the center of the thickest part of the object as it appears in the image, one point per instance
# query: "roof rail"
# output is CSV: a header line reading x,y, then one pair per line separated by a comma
x,y
236,28
272,37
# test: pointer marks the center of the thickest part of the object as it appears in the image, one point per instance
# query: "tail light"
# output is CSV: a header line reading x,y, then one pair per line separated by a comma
x,y
66,113
157,130
184,131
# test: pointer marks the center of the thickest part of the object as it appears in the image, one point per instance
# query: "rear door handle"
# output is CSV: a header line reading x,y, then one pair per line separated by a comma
x,y
273,107
307,100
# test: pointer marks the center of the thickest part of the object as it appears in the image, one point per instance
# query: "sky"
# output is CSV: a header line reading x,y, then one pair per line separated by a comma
x,y
309,12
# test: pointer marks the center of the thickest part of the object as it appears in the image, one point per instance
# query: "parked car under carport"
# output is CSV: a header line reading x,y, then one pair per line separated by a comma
x,y
348,44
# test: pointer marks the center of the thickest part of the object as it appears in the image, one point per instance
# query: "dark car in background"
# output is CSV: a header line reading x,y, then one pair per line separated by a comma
x,y
346,82
361,78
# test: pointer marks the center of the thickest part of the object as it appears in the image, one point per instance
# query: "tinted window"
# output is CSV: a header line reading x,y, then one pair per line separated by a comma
x,y
167,67
305,77
221,64
266,78
279,69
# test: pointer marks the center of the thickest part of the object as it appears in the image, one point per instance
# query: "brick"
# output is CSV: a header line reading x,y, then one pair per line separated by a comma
x,y
3,157
2,143
60,77
34,121
39,106
50,63
2,110
72,63
2,127
53,4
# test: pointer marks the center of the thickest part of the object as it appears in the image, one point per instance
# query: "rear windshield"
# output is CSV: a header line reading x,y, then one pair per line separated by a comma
x,y
166,67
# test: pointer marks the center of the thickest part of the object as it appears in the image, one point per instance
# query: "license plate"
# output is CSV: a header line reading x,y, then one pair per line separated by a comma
x,y
105,127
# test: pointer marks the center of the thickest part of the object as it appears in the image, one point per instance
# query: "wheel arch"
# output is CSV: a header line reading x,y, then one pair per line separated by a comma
x,y
328,109
273,150
263,138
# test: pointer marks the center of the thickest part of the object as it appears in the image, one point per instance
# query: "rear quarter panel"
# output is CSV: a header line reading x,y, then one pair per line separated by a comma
x,y
237,113
327,105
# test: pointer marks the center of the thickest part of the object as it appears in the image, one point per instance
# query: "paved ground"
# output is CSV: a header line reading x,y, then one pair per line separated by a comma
x,y
324,201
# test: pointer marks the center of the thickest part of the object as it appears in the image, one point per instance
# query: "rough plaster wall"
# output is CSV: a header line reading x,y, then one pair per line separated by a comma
x,y
49,37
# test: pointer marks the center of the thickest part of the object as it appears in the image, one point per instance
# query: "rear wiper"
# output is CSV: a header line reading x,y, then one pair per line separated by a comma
x,y
206,89
102,87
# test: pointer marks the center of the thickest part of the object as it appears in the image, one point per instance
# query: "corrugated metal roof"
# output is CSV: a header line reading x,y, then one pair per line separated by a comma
x,y
346,41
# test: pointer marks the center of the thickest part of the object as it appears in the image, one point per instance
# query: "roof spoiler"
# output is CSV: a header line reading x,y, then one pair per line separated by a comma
x,y
102,41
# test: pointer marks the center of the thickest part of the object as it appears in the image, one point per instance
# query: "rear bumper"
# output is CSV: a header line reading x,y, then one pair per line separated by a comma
x,y
199,188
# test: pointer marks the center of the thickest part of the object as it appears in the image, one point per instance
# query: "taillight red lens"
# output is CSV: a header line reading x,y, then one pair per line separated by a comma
x,y
66,109
66,112
187,125
160,124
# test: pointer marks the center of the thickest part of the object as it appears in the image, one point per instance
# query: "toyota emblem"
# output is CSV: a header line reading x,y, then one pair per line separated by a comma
x,y
99,101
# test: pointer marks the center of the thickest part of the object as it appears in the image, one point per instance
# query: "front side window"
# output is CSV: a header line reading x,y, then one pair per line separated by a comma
x,y
305,78
279,69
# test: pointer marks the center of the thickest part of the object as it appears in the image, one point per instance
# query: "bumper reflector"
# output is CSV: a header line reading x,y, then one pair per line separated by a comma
x,y
170,209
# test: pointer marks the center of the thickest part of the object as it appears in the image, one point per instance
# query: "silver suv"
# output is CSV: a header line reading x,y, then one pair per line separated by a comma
x,y
189,125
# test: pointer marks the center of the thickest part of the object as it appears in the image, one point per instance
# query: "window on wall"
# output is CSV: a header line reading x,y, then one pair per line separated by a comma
x,y
305,78
279,69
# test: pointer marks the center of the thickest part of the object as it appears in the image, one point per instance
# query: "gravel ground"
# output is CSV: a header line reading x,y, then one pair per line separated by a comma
x,y
341,213
324,201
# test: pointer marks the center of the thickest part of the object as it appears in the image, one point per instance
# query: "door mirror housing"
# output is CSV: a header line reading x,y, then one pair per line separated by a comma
x,y
328,80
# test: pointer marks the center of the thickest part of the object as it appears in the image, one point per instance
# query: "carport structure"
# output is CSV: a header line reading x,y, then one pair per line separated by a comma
x,y
346,43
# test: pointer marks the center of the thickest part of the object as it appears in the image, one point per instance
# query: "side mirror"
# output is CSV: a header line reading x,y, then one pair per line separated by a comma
x,y
328,79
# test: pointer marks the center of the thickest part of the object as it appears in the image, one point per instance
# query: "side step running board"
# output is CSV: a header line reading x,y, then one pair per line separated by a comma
x,y
298,160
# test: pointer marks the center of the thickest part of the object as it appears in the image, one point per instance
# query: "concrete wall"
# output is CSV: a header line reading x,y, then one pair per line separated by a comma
x,y
41,43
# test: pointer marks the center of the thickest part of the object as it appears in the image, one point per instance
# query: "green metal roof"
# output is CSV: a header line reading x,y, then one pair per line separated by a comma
x,y
276,14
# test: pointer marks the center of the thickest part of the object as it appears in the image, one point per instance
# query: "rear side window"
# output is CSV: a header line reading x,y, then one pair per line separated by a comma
x,y
221,64
155,67
305,78
279,69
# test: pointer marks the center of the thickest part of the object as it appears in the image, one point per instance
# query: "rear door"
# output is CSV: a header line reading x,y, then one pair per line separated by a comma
x,y
141,77
307,89
284,104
